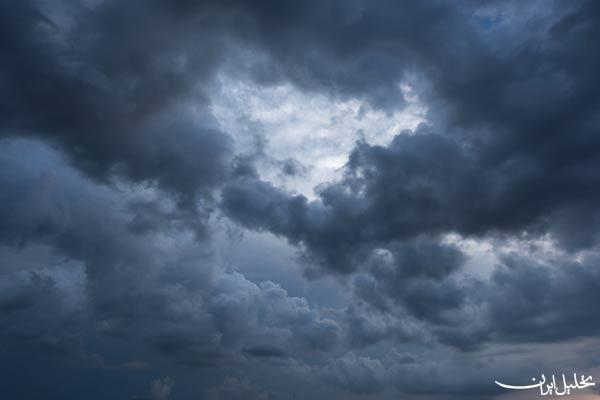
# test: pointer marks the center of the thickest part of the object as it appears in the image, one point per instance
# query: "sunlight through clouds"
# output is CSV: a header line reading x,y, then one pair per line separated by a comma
x,y
315,129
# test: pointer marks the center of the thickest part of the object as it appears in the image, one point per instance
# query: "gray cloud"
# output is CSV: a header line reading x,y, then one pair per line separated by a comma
x,y
524,301
161,289
115,174
114,97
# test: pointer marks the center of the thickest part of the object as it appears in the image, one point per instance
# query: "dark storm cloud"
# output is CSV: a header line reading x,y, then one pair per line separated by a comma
x,y
389,194
532,300
115,87
513,142
123,89
384,218
156,286
416,277
352,48
525,300
51,205
36,319
421,184
511,149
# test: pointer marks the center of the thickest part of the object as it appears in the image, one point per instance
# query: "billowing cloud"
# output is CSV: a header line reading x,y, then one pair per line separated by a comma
x,y
133,135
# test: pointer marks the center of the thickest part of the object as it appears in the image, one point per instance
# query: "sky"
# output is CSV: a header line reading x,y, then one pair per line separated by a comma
x,y
281,200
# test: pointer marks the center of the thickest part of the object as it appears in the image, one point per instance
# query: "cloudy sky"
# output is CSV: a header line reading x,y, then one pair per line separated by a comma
x,y
322,199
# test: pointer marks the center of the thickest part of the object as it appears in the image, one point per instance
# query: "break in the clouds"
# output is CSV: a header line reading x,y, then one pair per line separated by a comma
x,y
274,200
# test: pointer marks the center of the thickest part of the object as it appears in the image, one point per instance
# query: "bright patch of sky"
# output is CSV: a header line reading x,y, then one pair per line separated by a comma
x,y
313,129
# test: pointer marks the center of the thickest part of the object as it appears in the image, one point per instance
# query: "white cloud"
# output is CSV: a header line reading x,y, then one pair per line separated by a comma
x,y
314,129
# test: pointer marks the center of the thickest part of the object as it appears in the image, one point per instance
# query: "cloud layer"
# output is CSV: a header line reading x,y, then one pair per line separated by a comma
x,y
458,252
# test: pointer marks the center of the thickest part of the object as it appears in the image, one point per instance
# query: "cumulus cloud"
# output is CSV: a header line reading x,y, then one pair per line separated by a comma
x,y
117,170
164,289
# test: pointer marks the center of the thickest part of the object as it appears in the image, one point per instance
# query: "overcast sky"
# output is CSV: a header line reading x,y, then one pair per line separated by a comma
x,y
319,199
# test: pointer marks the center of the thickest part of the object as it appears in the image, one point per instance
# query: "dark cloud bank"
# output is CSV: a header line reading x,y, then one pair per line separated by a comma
x,y
115,175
